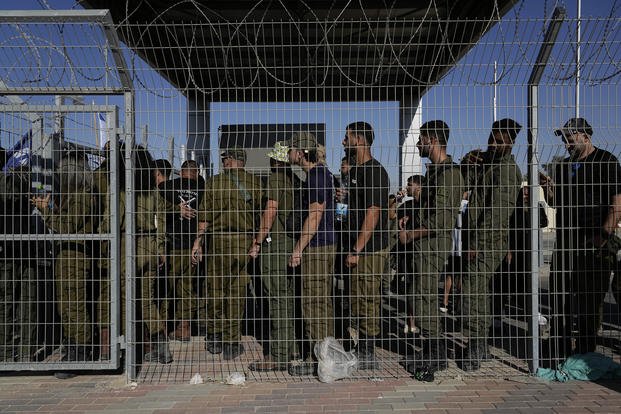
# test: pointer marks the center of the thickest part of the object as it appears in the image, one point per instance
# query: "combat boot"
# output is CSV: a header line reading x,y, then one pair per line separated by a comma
x,y
366,353
73,353
471,360
213,343
160,352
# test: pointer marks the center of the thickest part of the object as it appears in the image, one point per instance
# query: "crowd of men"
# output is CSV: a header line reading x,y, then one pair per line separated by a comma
x,y
195,241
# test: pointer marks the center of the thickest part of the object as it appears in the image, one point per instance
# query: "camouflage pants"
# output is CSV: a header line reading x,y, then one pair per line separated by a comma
x,y
424,291
71,270
146,262
279,288
477,304
103,308
226,285
366,296
317,274
180,278
18,317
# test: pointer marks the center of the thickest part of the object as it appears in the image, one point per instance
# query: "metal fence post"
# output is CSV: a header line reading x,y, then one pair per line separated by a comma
x,y
533,175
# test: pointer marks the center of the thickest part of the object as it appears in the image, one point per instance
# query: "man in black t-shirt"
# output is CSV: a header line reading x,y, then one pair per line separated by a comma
x,y
587,195
187,192
368,229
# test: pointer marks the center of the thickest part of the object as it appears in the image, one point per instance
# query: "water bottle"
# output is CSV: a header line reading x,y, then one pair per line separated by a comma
x,y
341,204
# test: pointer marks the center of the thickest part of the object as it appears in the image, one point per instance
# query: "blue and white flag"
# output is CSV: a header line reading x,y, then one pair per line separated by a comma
x,y
19,154
103,130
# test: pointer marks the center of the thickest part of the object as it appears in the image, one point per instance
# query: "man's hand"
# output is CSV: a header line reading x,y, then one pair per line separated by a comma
x,y
254,250
296,259
340,194
197,252
509,257
474,157
187,212
41,203
403,221
352,260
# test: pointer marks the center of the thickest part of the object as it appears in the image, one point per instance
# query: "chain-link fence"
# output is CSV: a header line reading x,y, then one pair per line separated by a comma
x,y
293,180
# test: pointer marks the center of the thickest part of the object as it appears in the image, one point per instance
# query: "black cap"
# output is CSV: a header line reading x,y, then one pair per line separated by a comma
x,y
508,126
436,128
573,126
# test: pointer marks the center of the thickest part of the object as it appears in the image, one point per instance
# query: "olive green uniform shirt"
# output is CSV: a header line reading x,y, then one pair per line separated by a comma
x,y
280,189
442,191
231,202
491,204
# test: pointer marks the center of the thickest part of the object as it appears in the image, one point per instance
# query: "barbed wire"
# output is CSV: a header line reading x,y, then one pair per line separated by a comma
x,y
384,51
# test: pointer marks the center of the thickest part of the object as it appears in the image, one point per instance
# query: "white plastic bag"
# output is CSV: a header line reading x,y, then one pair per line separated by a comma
x,y
197,379
334,362
236,378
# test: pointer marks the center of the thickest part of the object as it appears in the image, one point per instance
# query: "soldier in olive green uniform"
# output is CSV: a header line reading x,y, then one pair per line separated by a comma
x,y
150,246
275,247
18,288
231,200
443,187
492,200
71,213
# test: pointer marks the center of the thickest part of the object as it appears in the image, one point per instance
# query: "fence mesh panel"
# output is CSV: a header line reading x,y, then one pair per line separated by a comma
x,y
254,136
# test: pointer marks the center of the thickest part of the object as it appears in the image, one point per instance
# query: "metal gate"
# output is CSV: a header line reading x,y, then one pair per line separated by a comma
x,y
60,259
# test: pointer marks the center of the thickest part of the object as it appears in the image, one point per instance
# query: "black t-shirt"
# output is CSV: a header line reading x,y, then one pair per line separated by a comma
x,y
584,190
182,231
368,186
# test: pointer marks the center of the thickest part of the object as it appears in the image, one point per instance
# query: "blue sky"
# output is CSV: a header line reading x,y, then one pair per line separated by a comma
x,y
463,99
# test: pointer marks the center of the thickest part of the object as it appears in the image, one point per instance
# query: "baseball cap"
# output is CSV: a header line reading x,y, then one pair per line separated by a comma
x,y
280,152
302,141
235,152
573,126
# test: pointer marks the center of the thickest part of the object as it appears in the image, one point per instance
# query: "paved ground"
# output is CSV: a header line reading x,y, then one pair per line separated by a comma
x,y
110,393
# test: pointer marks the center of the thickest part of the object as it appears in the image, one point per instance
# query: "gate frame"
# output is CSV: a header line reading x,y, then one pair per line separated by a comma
x,y
103,19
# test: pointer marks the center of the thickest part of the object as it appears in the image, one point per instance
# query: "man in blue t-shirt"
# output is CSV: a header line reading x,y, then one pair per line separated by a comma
x,y
316,248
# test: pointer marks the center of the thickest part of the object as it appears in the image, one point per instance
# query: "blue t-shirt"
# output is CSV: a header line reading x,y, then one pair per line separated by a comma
x,y
320,189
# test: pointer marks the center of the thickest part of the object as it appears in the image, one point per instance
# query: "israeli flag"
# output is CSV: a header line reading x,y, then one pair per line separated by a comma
x,y
19,154
103,133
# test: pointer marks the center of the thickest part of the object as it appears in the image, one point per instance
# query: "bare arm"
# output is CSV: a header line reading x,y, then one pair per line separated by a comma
x,y
614,215
267,221
371,219
309,228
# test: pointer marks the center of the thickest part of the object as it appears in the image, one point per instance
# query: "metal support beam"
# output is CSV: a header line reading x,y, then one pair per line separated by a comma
x,y
533,175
